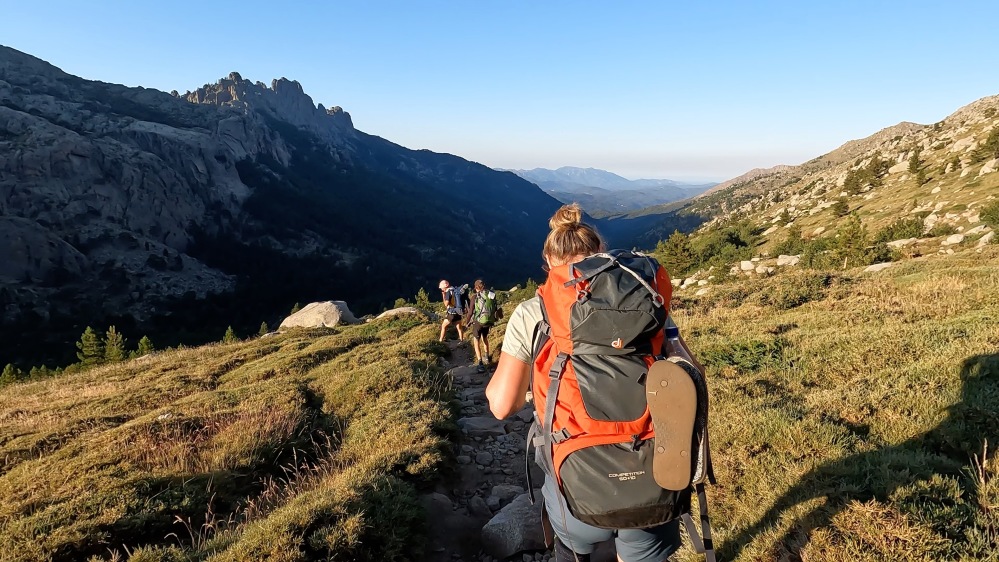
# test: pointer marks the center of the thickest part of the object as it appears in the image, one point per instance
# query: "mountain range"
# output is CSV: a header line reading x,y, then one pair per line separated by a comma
x,y
602,193
175,215
178,214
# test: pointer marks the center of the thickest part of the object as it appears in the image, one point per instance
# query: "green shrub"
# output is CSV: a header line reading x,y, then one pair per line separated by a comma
x,y
900,230
840,208
941,229
990,214
795,289
747,355
792,244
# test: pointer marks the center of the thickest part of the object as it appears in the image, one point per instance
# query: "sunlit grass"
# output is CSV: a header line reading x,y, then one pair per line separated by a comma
x,y
304,445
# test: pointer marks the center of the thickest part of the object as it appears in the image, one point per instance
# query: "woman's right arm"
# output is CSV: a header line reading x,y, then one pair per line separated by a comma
x,y
507,389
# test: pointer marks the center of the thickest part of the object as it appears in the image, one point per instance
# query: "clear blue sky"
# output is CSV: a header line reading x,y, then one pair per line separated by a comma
x,y
667,89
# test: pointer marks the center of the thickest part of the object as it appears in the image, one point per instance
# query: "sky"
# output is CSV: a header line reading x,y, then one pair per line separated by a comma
x,y
690,91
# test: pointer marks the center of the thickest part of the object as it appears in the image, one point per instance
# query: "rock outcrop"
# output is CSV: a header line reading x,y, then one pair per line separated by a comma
x,y
326,314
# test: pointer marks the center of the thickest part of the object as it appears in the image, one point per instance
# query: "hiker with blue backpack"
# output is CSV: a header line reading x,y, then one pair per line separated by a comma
x,y
456,301
480,318
620,421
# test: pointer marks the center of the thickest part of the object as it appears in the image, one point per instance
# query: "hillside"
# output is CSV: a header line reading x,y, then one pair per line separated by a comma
x,y
940,174
850,415
263,449
139,208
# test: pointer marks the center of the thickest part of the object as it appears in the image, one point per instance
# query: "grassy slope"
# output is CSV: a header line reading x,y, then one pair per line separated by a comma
x,y
293,447
847,410
846,413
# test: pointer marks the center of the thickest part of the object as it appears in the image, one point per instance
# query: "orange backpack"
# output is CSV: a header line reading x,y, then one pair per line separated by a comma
x,y
602,330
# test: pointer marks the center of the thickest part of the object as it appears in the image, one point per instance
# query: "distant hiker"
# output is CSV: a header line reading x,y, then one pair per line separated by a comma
x,y
455,303
619,431
480,318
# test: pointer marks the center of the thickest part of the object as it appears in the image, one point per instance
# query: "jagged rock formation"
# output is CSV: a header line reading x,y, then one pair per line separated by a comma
x,y
130,205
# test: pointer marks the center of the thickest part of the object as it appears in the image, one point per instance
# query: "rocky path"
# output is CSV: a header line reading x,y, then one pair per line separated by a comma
x,y
482,513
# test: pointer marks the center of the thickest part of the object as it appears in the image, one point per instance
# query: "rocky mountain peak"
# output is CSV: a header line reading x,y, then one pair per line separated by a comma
x,y
285,100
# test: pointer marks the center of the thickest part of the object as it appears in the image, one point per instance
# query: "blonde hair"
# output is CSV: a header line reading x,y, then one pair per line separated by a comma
x,y
569,236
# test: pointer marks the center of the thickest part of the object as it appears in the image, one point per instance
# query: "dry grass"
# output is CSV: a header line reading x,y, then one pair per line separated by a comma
x,y
852,426
850,416
306,445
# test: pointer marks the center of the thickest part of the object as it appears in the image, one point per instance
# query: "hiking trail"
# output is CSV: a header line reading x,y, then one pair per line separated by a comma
x,y
488,486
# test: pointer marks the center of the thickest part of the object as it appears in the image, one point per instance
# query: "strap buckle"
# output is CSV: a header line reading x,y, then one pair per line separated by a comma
x,y
561,435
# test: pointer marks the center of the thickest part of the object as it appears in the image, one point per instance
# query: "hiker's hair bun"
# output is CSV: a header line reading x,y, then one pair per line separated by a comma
x,y
570,237
568,217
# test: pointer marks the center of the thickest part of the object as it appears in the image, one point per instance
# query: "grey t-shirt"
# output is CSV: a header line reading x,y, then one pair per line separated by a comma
x,y
520,329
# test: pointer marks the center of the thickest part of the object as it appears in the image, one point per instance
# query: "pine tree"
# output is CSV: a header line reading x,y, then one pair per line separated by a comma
x,y
114,346
914,161
145,346
91,349
230,336
852,243
295,308
921,177
676,254
10,375
840,208
263,329
423,299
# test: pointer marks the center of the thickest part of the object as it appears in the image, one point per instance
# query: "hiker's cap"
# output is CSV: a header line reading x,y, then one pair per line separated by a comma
x,y
444,284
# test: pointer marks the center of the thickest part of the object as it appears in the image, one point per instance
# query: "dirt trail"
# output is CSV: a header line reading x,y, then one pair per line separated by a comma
x,y
489,475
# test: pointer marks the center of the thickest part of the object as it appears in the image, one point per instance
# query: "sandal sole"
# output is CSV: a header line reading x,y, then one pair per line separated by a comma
x,y
672,398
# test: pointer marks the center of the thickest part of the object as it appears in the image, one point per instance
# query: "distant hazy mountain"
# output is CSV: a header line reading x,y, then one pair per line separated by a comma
x,y
603,193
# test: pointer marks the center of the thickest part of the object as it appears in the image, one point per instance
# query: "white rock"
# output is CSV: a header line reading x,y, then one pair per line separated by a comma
x,y
877,267
401,311
977,229
989,167
986,239
898,168
818,231
675,282
935,190
702,292
747,265
324,314
761,270
963,144
770,230
783,260
953,239
702,282
901,243
975,218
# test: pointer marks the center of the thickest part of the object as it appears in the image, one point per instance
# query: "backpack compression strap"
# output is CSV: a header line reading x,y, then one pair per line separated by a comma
x,y
612,261
705,547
